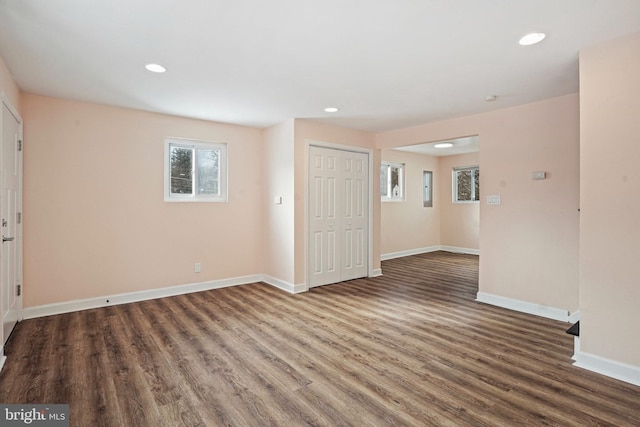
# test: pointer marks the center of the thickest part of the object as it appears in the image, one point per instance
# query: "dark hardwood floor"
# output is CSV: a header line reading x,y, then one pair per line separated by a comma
x,y
409,348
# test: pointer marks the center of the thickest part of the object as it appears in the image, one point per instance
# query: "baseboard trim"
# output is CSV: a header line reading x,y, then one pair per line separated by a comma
x,y
376,272
285,286
608,367
410,252
418,251
459,250
125,298
574,317
3,359
523,306
576,348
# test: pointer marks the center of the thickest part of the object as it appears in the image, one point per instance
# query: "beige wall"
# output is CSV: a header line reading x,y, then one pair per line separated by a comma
x,y
278,181
610,207
8,86
529,244
459,222
408,225
307,130
95,222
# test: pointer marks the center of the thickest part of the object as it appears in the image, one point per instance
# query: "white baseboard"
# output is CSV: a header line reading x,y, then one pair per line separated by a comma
x,y
574,317
285,286
410,252
86,304
524,306
459,250
419,251
576,347
376,272
125,298
608,367
3,359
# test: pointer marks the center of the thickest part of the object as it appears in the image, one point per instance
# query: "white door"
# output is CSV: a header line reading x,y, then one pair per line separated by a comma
x,y
338,215
11,163
353,218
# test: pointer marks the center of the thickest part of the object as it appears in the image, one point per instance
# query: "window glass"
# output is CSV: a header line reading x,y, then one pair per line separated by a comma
x,y
392,181
181,170
466,184
195,171
208,172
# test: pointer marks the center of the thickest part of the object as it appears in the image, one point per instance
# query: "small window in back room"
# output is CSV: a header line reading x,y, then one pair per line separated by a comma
x,y
195,171
391,182
466,184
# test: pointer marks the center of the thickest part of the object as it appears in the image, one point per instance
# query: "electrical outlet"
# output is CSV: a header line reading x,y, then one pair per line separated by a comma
x,y
197,267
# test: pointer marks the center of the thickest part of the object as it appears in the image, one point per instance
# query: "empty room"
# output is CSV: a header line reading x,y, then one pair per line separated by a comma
x,y
296,213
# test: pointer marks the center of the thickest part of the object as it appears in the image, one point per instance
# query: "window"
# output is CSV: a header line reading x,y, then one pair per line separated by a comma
x,y
392,181
195,171
466,184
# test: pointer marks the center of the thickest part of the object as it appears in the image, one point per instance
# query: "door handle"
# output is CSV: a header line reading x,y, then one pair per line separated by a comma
x,y
7,239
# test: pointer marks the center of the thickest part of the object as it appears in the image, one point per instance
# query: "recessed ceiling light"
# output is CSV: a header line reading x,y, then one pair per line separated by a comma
x,y
444,145
155,68
532,38
490,98
331,110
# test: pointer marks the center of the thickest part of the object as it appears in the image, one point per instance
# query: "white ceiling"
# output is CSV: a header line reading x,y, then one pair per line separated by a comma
x,y
386,64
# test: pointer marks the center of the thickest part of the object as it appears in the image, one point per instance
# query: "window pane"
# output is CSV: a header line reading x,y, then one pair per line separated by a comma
x,y
464,185
209,172
384,181
476,181
181,170
396,191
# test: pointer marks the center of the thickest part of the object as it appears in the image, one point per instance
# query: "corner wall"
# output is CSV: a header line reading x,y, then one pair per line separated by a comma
x,y
459,222
8,86
408,226
279,230
610,207
95,222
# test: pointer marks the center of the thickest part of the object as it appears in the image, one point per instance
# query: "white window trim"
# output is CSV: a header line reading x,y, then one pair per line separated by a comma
x,y
401,166
454,184
223,184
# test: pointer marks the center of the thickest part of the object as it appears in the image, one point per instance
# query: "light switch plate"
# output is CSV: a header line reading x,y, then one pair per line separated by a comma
x,y
494,200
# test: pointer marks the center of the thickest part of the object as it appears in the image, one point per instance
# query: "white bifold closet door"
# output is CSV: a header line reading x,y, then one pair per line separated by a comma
x,y
338,215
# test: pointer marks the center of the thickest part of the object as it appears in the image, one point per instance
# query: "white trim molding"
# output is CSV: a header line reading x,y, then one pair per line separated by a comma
x,y
608,367
574,317
105,301
285,286
524,306
126,298
418,251
376,272
459,250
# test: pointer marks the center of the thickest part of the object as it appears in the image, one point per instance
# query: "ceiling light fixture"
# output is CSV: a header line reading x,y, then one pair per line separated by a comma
x,y
532,38
490,98
444,145
155,68
331,110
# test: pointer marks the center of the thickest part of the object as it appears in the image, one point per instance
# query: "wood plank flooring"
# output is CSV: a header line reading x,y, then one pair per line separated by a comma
x,y
409,348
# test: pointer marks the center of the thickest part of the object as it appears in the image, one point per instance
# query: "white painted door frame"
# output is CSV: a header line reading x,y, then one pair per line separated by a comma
x,y
11,208
328,145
